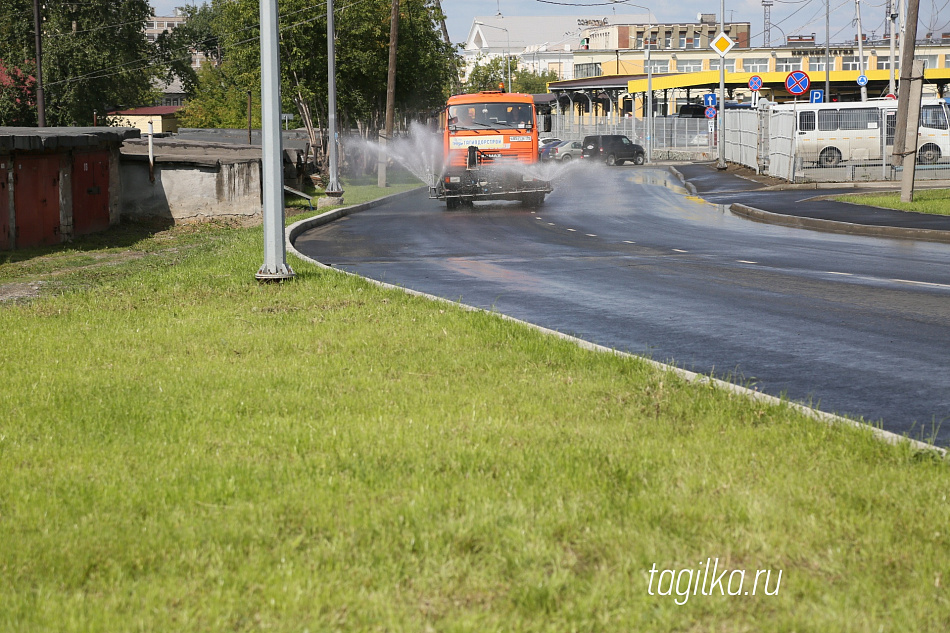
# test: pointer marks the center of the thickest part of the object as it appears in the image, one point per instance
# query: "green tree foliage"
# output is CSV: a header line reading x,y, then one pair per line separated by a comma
x,y
95,58
424,64
487,74
197,33
532,83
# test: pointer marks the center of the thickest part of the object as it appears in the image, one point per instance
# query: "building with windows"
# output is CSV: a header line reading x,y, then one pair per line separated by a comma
x,y
616,80
541,43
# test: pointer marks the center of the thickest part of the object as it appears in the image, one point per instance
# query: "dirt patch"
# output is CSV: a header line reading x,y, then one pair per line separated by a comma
x,y
749,174
20,291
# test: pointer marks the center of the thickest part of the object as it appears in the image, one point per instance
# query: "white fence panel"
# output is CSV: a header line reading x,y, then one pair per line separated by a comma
x,y
741,137
782,145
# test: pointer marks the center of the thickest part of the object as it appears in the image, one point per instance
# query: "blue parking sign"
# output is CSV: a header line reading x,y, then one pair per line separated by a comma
x,y
709,99
816,96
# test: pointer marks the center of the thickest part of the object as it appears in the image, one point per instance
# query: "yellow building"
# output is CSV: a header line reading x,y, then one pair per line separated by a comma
x,y
164,119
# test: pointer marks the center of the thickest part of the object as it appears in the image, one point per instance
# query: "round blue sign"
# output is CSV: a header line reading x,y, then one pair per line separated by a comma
x,y
755,83
862,80
710,112
797,82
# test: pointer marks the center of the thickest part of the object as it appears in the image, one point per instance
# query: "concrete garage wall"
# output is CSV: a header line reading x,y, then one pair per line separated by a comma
x,y
191,190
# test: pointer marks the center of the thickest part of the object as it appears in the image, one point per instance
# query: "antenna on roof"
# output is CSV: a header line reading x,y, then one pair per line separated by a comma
x,y
499,10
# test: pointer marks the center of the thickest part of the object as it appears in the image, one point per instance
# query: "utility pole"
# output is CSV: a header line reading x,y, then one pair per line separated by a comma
x,y
864,88
908,104
827,51
275,266
40,94
390,95
333,187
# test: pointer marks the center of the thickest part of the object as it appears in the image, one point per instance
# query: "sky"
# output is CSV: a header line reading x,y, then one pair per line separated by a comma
x,y
789,17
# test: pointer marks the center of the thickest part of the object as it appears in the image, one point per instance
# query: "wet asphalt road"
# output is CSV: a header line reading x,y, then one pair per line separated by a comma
x,y
625,258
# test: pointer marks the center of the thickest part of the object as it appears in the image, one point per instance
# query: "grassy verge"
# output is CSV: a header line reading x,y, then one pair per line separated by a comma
x,y
182,448
933,201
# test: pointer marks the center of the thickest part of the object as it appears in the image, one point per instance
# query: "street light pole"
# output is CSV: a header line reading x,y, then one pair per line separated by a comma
x,y
721,162
827,50
508,55
864,88
333,187
275,266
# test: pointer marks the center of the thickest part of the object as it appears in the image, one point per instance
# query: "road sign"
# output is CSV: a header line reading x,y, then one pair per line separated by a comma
x,y
862,80
722,44
816,96
710,112
797,82
890,95
755,83
709,99
712,126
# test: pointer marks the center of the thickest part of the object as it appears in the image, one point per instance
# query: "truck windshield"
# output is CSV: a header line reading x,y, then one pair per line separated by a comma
x,y
478,116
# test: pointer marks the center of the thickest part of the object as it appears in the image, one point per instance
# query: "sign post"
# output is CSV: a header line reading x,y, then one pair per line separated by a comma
x,y
722,44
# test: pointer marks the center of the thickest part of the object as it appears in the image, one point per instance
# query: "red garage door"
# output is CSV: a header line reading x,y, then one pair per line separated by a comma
x,y
4,203
36,200
90,192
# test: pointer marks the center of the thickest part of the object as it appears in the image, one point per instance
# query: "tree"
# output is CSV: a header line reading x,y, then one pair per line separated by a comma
x,y
531,82
95,58
424,63
487,74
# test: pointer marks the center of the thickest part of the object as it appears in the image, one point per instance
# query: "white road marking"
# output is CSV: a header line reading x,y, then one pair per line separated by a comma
x,y
921,283
746,261
679,250
628,242
551,223
831,272
590,235
572,230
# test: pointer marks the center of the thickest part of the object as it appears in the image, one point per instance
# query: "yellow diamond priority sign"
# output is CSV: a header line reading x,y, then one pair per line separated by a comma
x,y
722,44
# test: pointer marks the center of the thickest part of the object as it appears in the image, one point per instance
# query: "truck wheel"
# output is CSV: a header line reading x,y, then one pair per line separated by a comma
x,y
451,204
611,160
533,199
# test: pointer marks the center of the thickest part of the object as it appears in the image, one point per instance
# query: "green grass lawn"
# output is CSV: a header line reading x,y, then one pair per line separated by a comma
x,y
185,449
934,201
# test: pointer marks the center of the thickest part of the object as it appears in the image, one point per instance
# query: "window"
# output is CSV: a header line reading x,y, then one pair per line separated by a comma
x,y
730,64
639,41
682,41
859,119
689,65
818,63
853,62
933,116
788,64
806,121
930,61
657,66
667,42
150,25
754,64
884,63
827,120
587,70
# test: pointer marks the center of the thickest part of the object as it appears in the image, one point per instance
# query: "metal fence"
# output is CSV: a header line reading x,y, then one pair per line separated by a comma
x,y
668,132
853,142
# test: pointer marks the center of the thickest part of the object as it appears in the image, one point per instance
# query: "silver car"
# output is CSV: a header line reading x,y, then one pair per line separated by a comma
x,y
564,151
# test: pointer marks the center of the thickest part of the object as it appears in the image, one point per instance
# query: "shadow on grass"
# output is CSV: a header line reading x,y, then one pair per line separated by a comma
x,y
123,235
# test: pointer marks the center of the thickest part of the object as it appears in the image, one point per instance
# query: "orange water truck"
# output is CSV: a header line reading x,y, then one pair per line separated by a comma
x,y
490,150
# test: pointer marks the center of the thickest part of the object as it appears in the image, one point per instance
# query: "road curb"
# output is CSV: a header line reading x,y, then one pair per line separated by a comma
x,y
690,187
835,226
293,231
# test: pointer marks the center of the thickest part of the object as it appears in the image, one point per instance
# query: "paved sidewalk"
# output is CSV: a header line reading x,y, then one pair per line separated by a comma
x,y
808,208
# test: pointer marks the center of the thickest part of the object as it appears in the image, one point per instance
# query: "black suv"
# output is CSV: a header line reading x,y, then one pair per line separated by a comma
x,y
613,149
